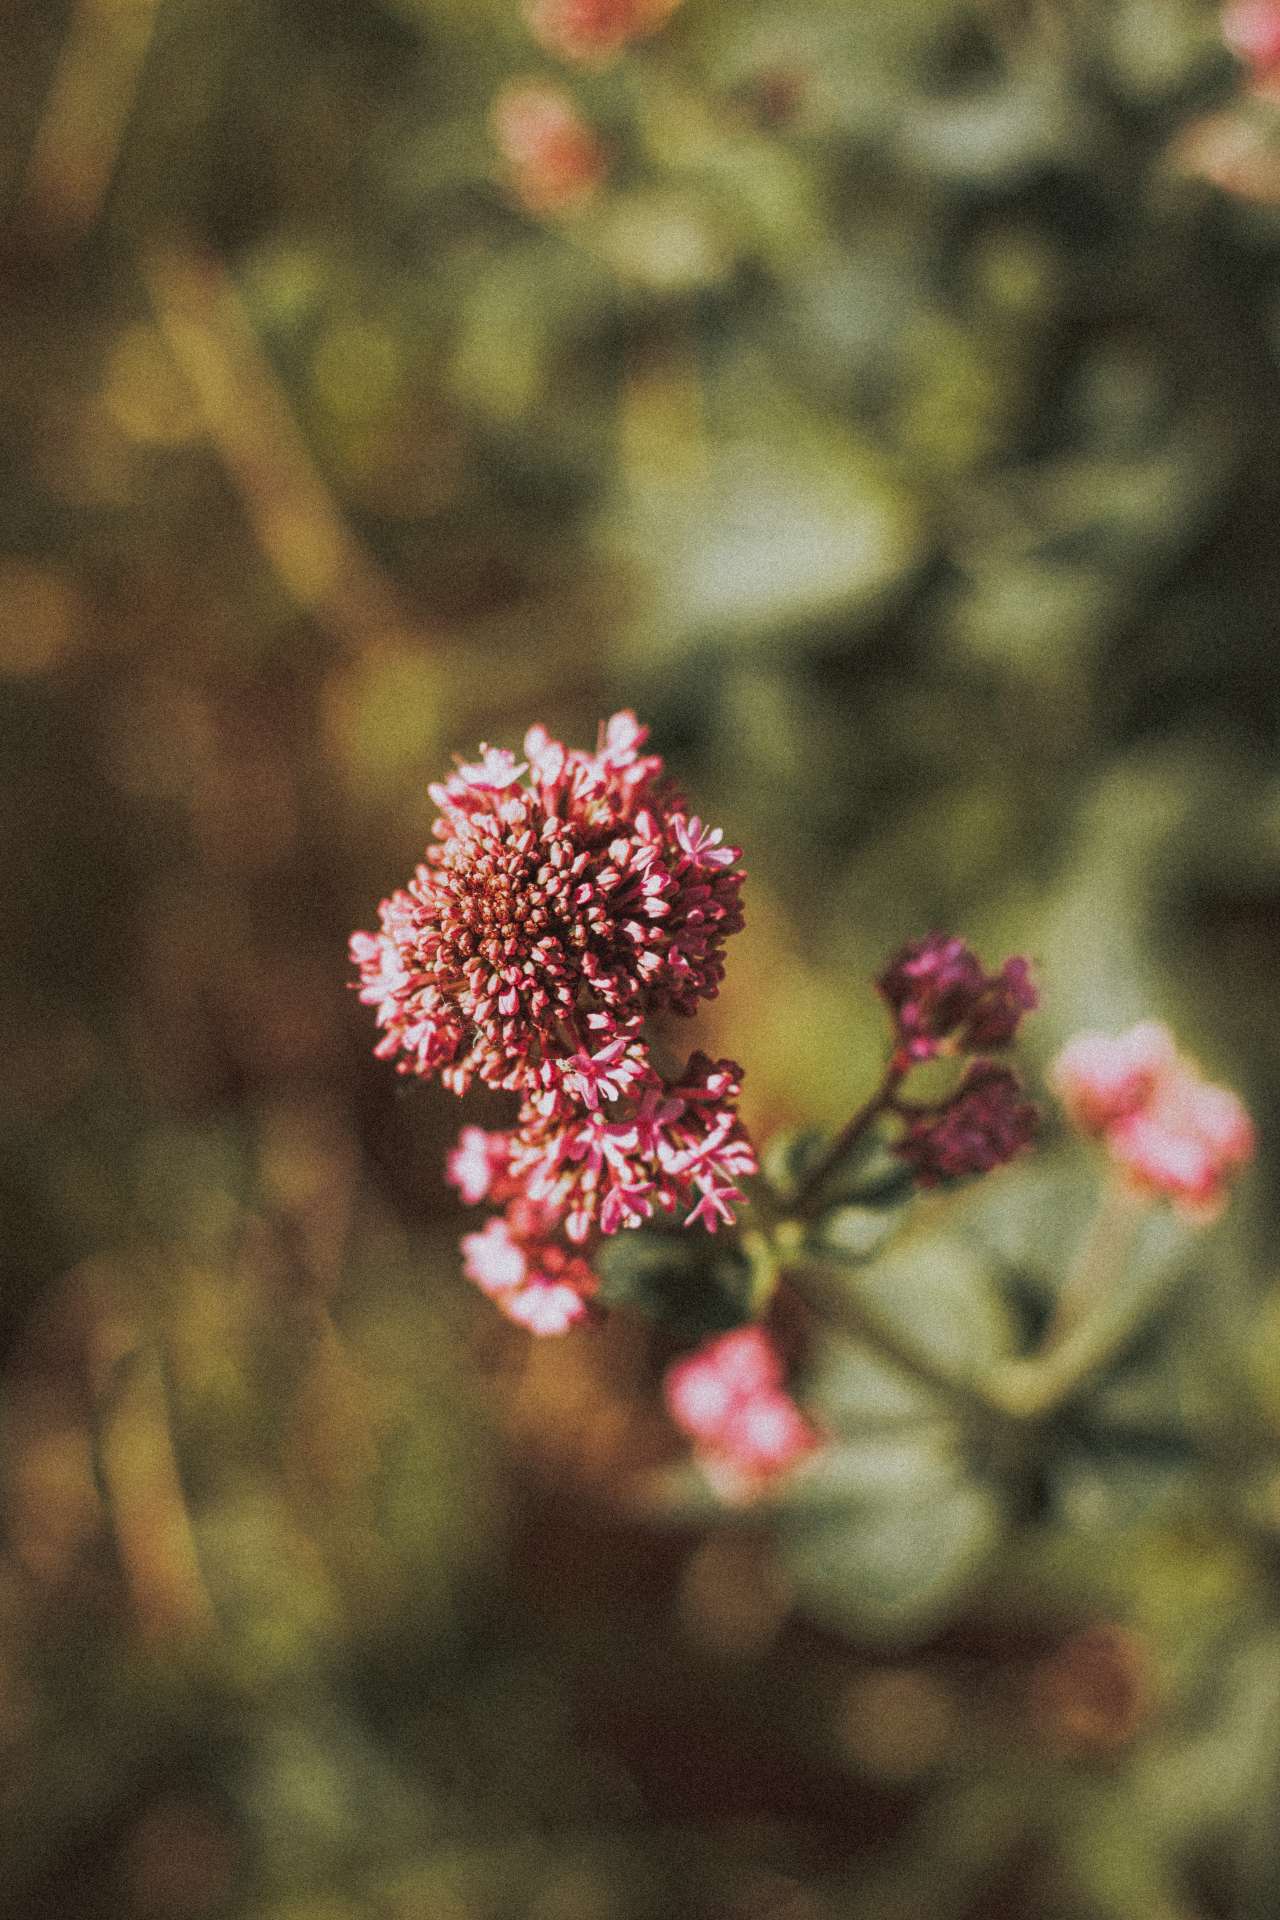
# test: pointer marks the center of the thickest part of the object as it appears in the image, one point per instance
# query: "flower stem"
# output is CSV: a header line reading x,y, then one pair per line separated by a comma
x,y
1095,1316
819,1288
845,1141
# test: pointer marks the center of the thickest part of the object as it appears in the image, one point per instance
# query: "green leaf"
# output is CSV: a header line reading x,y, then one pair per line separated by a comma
x,y
694,1283
894,1562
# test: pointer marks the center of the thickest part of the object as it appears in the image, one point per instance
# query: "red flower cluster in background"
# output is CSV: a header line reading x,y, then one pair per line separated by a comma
x,y
594,31
568,898
1251,28
985,1123
553,159
943,1002
1166,1128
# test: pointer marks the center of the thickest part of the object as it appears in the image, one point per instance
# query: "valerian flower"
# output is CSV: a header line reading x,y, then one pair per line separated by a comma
x,y
569,896
728,1396
1166,1128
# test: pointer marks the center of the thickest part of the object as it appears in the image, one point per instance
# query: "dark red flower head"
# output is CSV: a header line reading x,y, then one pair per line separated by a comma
x,y
986,1122
943,1002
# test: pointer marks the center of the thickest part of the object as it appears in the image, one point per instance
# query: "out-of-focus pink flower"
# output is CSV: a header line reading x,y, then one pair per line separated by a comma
x,y
541,1286
986,1122
728,1397
594,31
942,1001
554,160
1251,29
1188,1141
477,1163
1169,1130
1102,1077
1233,150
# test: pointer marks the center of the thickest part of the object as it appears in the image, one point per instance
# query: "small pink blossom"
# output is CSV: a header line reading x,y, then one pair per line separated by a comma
x,y
554,160
1169,1130
606,1075
728,1397
494,1258
477,1163
1101,1077
594,31
545,1306
701,844
536,1283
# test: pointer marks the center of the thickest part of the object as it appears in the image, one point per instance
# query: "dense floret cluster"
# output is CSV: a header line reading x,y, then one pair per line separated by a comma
x,y
569,897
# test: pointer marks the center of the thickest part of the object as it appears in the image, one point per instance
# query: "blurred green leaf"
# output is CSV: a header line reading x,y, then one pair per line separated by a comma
x,y
693,1284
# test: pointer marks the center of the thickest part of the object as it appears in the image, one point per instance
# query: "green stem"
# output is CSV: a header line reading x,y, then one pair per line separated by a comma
x,y
845,1141
819,1288
1096,1315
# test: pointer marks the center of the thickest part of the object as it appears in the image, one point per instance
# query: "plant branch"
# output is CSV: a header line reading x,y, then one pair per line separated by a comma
x,y
1099,1310
844,1143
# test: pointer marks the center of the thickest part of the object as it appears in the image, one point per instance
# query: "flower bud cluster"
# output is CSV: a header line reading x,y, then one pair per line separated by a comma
x,y
728,1397
985,1123
1168,1130
943,1004
569,896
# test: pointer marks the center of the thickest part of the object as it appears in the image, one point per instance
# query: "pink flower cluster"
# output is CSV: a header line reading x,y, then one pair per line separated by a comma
x,y
568,897
554,160
594,31
1251,29
728,1397
1168,1130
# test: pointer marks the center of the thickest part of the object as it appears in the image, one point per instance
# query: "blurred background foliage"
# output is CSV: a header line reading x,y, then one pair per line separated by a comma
x,y
897,431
